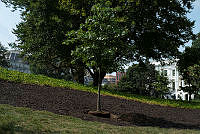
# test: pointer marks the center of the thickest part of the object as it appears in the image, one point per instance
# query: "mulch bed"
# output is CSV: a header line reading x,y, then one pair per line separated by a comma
x,y
78,103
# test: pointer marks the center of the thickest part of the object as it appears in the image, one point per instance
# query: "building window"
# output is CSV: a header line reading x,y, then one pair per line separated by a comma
x,y
164,72
173,72
12,57
173,85
186,97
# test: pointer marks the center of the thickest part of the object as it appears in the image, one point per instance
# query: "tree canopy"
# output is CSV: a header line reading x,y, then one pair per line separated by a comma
x,y
154,28
41,33
188,65
190,56
3,61
143,79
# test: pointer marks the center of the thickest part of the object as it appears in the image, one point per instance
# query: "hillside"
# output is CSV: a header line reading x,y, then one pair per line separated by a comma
x,y
76,103
41,80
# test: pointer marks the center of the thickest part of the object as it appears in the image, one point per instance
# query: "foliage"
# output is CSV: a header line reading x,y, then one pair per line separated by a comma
x,y
196,42
3,61
124,85
46,70
188,58
160,86
155,28
193,79
41,33
111,87
188,63
194,72
16,76
145,80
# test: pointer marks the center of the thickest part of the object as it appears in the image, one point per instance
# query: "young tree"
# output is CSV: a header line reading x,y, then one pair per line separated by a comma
x,y
3,61
102,49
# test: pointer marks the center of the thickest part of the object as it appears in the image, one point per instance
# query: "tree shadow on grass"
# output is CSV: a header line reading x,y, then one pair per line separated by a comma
x,y
143,120
12,128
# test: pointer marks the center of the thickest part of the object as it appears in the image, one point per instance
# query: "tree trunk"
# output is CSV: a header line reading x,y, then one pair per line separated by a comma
x,y
95,80
99,92
78,75
96,77
81,73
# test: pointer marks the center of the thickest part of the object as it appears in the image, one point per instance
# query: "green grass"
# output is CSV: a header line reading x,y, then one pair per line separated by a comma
x,y
43,80
15,120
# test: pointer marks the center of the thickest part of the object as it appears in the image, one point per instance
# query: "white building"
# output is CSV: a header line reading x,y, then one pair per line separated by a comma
x,y
16,62
170,70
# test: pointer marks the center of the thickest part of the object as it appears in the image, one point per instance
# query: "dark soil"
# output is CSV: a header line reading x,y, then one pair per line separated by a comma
x,y
78,103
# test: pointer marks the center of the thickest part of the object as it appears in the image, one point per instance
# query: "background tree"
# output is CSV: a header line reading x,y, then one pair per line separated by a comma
x,y
196,42
143,79
190,56
41,33
3,61
160,86
192,80
62,73
158,28
188,63
194,73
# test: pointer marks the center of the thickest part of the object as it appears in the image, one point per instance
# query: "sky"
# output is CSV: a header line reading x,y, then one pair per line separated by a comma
x,y
9,20
194,15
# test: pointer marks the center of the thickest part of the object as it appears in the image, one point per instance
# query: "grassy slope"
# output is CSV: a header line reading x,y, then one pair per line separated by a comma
x,y
43,80
24,120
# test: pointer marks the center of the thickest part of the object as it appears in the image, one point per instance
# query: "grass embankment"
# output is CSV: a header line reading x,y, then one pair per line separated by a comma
x,y
25,121
43,80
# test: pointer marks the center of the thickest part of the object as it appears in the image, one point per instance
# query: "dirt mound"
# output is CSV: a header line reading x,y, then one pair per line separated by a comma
x,y
78,103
